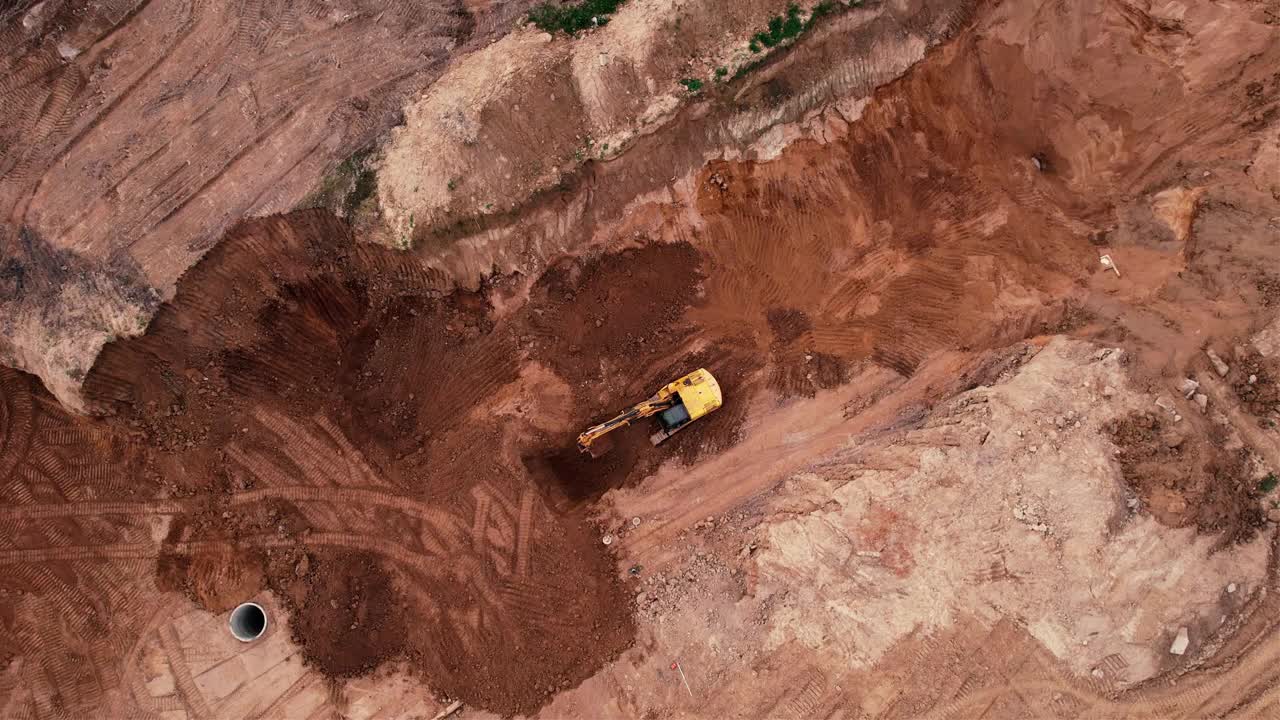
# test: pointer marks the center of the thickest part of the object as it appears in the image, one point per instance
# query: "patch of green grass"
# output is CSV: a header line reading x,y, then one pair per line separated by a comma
x,y
781,28
721,72
1268,483
789,26
692,84
573,18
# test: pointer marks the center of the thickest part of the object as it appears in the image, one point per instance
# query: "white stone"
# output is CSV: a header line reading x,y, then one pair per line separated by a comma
x,y
1180,643
1218,363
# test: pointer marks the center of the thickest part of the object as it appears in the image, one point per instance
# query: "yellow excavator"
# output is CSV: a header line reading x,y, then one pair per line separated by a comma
x,y
676,405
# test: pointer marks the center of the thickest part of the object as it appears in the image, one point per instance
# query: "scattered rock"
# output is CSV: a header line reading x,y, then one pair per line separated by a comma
x,y
1189,387
1108,391
1218,363
1180,642
1231,587
1202,401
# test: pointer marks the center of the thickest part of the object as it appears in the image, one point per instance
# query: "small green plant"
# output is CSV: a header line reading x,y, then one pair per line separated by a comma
x,y
574,18
721,72
781,28
788,26
1268,483
452,184
365,185
693,85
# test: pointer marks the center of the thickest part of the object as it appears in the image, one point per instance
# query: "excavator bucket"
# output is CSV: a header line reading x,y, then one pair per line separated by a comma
x,y
600,447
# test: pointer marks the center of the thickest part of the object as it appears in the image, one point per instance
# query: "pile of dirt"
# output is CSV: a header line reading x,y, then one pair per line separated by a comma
x,y
1182,479
348,617
1256,381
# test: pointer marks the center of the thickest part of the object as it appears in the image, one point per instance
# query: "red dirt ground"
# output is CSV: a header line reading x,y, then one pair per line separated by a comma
x,y
318,417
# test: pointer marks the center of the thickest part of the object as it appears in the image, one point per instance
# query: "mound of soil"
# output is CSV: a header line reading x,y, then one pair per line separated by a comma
x,y
1256,381
1183,480
348,617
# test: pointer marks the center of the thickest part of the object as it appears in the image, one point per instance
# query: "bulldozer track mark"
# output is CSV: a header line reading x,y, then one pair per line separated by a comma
x,y
132,668
30,556
183,30
524,533
805,700
185,684
16,423
93,509
480,519
438,521
296,688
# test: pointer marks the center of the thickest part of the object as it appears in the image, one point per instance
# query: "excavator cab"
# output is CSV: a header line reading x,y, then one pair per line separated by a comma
x,y
677,405
694,395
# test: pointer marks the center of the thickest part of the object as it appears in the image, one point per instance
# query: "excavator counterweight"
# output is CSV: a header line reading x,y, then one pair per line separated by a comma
x,y
677,405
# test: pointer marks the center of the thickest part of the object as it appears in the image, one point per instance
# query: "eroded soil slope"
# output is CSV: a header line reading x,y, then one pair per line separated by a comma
x,y
134,134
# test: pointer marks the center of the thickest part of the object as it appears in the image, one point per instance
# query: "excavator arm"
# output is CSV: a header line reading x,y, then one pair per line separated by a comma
x,y
639,411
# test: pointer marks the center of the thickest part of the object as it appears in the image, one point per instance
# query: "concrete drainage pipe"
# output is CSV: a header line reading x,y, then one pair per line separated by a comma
x,y
248,622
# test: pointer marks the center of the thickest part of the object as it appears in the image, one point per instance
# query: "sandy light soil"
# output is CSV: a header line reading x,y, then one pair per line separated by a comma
x,y
962,470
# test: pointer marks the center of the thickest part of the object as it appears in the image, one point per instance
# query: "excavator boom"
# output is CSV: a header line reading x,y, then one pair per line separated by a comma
x,y
639,411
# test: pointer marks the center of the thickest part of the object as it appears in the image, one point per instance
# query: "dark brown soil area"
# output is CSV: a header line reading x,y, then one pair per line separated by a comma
x,y
622,309
348,619
1256,381
321,406
1183,480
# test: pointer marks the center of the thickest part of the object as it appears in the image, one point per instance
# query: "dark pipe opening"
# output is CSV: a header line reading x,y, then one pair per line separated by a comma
x,y
248,622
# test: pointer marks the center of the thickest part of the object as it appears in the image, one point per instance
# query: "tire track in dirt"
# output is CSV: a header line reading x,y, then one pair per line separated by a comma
x,y
70,617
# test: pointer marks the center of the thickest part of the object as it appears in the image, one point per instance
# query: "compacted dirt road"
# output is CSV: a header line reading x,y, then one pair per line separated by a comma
x,y
958,472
